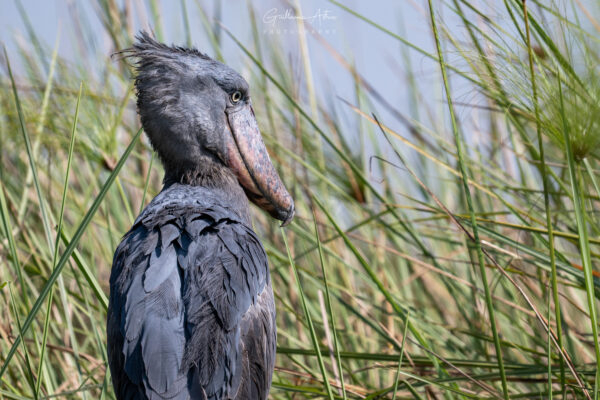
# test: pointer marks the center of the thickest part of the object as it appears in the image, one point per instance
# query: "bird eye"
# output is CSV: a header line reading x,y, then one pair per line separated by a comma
x,y
236,96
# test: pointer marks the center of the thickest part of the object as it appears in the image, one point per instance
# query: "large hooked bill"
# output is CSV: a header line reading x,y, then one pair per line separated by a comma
x,y
249,159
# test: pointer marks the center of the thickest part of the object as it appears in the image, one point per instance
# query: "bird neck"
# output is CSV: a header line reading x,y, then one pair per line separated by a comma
x,y
211,175
205,171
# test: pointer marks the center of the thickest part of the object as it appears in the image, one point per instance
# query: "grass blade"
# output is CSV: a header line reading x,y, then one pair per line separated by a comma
x,y
330,309
57,240
311,327
29,152
467,193
70,248
546,185
582,229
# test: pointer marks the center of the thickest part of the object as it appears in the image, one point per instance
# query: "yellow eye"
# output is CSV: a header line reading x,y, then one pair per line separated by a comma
x,y
236,96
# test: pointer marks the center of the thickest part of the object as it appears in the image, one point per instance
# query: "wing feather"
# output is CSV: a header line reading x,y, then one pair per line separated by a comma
x,y
146,346
230,271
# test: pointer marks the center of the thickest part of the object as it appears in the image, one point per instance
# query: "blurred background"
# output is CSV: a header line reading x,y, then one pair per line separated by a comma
x,y
446,239
84,39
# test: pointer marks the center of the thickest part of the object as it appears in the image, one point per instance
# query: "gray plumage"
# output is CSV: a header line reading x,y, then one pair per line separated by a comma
x,y
196,316
191,312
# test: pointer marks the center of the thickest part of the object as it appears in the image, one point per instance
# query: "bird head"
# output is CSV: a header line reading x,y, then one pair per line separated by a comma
x,y
197,110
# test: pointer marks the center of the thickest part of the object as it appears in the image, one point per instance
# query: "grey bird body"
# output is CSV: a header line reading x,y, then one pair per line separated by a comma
x,y
195,316
191,312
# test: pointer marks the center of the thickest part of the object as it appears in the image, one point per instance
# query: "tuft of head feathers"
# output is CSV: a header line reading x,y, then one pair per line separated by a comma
x,y
148,49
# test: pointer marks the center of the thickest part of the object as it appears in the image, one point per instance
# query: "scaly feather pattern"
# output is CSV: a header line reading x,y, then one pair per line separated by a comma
x,y
191,312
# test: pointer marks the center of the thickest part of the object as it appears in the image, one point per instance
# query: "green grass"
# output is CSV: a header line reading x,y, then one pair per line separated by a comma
x,y
454,258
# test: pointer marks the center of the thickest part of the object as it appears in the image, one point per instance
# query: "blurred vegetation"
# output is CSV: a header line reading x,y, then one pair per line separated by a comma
x,y
467,269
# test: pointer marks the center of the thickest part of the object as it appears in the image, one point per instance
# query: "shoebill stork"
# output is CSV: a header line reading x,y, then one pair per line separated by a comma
x,y
191,313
